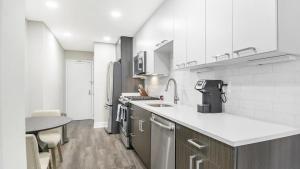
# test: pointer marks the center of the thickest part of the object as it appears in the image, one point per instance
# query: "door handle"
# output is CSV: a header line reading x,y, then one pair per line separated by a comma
x,y
192,157
198,163
245,49
225,54
191,62
90,93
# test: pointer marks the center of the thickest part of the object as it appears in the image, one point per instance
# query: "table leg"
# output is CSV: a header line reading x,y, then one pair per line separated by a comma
x,y
65,135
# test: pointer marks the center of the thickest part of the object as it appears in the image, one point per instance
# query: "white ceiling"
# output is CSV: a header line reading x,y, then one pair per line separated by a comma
x,y
90,21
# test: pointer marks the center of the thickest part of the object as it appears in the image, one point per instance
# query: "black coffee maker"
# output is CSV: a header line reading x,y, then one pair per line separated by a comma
x,y
212,96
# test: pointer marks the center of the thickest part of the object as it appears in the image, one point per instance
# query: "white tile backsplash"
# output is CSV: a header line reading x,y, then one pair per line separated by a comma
x,y
268,92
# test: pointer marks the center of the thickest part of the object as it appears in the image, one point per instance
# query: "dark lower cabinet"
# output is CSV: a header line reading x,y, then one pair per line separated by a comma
x,y
141,134
196,151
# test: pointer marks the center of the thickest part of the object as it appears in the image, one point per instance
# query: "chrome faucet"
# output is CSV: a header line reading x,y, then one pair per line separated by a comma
x,y
176,98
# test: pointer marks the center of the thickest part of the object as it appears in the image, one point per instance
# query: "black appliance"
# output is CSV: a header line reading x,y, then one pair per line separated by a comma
x,y
212,96
140,63
125,112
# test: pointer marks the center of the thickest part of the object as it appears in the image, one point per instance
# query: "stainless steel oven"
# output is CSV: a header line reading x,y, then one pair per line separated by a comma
x,y
140,62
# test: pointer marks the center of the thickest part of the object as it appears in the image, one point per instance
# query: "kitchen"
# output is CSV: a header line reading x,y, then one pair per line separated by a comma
x,y
199,84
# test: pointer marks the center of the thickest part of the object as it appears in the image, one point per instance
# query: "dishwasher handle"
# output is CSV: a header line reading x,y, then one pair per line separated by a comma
x,y
171,127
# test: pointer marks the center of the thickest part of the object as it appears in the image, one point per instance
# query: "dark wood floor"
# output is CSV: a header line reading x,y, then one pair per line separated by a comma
x,y
91,148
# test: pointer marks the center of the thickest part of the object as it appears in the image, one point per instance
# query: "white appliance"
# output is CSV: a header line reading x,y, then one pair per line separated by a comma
x,y
113,92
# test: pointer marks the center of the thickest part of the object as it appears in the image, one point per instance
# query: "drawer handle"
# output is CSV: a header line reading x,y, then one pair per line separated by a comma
x,y
132,117
132,135
245,49
198,163
192,142
192,157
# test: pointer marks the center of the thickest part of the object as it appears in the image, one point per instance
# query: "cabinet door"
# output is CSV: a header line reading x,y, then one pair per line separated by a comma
x,y
196,32
145,133
180,30
163,24
218,30
134,128
254,26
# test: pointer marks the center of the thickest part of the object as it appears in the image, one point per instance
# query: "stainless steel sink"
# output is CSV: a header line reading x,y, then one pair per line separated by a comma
x,y
160,105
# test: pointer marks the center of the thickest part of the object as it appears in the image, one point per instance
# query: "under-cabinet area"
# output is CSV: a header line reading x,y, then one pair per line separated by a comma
x,y
162,140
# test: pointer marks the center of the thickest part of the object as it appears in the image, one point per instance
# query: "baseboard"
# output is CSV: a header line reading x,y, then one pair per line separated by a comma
x,y
100,124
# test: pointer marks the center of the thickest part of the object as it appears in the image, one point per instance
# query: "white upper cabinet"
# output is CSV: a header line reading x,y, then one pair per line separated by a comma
x,y
180,32
163,22
195,33
218,30
254,27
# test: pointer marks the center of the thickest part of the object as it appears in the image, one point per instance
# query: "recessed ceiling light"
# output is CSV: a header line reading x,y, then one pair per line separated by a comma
x,y
52,4
107,38
67,34
116,14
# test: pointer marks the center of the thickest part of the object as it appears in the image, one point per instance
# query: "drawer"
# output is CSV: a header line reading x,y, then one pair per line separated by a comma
x,y
215,154
197,142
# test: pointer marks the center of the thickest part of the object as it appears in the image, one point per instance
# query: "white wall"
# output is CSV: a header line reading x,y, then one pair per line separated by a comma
x,y
269,92
78,55
12,82
103,54
46,69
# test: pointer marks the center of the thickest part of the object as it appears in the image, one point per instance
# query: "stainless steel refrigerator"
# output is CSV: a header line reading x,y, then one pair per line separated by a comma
x,y
113,92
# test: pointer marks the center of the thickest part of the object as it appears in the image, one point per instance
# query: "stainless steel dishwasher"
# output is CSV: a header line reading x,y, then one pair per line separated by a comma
x,y
162,143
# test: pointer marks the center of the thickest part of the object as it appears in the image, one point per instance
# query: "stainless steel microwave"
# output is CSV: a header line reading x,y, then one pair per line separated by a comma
x,y
140,63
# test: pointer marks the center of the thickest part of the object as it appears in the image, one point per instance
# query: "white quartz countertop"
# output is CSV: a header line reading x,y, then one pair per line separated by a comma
x,y
230,129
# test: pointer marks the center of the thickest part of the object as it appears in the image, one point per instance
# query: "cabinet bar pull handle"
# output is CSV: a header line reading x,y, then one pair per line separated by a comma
x,y
141,124
217,56
194,61
171,128
198,163
163,41
245,49
192,157
192,142
182,65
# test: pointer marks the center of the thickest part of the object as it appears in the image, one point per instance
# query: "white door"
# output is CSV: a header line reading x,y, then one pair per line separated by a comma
x,y
79,89
196,42
254,26
180,31
218,29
